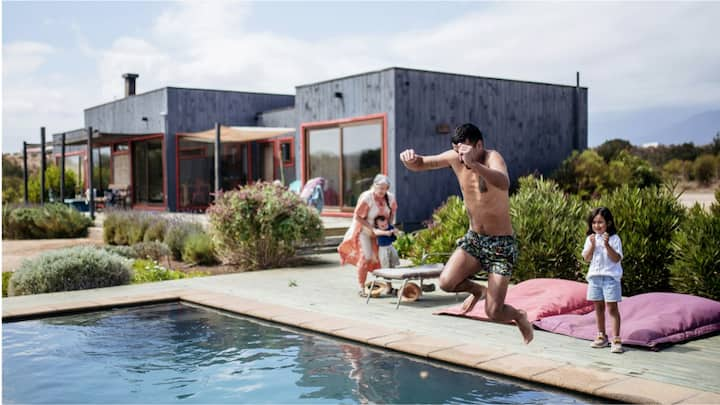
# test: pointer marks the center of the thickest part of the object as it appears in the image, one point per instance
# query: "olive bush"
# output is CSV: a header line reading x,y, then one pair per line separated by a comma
x,y
261,225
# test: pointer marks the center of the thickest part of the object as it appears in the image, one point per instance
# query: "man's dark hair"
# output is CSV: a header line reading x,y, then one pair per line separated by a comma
x,y
467,132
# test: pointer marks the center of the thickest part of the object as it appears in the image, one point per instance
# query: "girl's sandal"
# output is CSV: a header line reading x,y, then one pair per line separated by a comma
x,y
362,294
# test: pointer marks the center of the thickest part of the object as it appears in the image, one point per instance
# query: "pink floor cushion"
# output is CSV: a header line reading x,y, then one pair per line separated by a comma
x,y
650,320
539,297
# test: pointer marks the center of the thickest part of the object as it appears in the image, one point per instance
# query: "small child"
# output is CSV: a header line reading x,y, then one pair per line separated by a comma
x,y
603,249
386,235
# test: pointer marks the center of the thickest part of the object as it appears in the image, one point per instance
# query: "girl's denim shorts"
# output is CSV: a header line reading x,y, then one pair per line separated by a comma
x,y
604,288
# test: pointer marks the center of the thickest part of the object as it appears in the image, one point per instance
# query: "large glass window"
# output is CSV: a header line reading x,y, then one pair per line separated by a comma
x,y
74,164
148,176
101,169
197,171
348,156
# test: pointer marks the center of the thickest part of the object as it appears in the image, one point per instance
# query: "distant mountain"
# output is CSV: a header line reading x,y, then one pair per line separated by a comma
x,y
698,129
663,125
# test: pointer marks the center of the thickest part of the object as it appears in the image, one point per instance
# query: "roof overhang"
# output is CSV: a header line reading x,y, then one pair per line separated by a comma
x,y
238,134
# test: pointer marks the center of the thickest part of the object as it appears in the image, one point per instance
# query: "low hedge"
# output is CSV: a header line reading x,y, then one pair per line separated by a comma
x,y
49,221
70,269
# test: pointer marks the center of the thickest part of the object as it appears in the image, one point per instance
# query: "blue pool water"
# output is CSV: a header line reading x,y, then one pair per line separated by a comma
x,y
177,353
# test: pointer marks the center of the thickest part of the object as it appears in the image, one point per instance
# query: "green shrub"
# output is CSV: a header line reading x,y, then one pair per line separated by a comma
x,y
697,267
177,233
151,250
156,231
261,225
76,268
147,271
199,249
549,227
646,221
49,221
52,184
124,251
704,169
125,227
449,223
5,281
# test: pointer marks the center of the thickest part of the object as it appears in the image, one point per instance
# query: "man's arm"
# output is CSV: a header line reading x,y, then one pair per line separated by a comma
x,y
417,163
495,172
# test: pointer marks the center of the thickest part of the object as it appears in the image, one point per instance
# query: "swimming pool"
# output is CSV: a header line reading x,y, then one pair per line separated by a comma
x,y
179,353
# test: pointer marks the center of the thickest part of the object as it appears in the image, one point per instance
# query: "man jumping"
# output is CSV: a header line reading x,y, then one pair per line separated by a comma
x,y
489,245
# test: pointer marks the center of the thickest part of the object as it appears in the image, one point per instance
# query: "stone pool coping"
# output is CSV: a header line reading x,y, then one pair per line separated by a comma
x,y
597,383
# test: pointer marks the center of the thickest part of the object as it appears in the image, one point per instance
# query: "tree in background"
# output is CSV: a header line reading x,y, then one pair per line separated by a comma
x,y
704,169
609,150
52,184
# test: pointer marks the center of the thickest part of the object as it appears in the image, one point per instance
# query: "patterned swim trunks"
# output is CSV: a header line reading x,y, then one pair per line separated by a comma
x,y
496,254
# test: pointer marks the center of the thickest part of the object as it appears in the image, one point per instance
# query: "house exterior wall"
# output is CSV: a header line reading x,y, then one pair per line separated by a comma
x,y
531,124
193,110
284,117
171,110
362,95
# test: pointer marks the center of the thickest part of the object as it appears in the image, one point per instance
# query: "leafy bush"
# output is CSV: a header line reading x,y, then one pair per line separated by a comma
x,y
151,250
199,249
177,233
549,227
76,268
147,271
646,221
52,184
676,168
5,281
704,169
697,267
156,231
124,227
261,225
124,251
449,223
48,221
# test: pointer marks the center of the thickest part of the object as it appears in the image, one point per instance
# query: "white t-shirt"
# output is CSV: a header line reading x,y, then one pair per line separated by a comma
x,y
601,264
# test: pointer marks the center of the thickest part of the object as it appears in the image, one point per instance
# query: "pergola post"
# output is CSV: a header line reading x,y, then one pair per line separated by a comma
x,y
217,158
91,198
25,173
62,168
43,165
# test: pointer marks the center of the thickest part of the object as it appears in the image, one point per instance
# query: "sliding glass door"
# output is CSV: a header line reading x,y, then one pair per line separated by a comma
x,y
348,156
148,174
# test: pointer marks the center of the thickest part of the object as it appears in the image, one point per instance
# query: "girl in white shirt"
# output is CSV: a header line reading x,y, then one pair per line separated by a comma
x,y
603,249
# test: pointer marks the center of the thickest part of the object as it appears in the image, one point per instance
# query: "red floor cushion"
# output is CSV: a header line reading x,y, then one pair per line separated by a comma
x,y
539,297
649,320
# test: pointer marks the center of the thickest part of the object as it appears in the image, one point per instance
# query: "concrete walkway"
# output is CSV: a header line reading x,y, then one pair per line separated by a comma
x,y
322,297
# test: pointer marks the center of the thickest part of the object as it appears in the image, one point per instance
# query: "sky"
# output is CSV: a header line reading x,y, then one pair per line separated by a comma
x,y
59,58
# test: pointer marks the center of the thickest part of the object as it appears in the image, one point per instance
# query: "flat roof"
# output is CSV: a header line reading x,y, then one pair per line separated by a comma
x,y
189,89
436,72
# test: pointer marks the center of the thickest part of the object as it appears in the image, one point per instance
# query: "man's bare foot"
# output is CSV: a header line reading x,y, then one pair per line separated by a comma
x,y
525,327
471,300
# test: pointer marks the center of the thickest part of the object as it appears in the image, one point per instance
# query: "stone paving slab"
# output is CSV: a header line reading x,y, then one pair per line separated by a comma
x,y
322,297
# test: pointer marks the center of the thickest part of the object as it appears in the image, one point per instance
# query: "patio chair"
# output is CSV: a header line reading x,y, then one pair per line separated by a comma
x,y
421,272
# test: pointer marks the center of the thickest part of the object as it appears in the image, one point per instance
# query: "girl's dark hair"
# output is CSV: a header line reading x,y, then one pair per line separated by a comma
x,y
379,218
607,215
467,132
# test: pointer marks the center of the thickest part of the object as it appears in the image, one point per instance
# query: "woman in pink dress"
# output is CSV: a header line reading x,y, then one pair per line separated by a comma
x,y
359,246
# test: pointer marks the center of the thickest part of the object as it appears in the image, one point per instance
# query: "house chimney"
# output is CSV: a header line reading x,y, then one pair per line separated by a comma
x,y
130,83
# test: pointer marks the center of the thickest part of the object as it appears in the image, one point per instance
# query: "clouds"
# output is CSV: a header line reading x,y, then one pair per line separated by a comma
x,y
24,57
630,55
